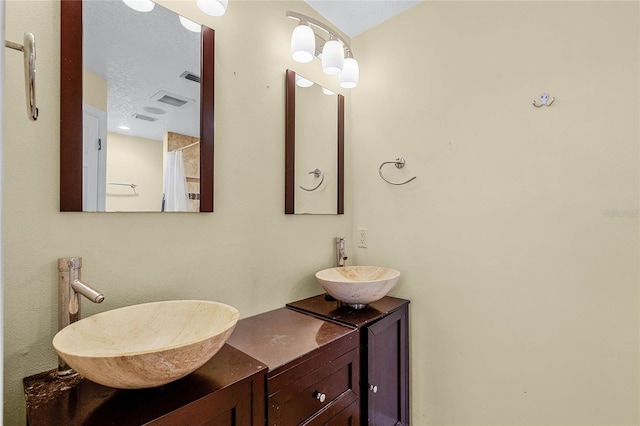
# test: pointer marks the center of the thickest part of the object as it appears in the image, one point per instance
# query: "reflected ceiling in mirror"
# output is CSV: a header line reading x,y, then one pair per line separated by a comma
x,y
314,148
141,88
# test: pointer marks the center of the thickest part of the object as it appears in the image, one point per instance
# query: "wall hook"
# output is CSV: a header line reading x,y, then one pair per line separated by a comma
x,y
317,173
29,49
399,163
544,101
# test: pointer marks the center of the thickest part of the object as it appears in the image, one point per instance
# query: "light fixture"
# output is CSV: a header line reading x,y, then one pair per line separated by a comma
x,y
124,128
328,92
332,56
140,5
350,72
213,7
303,43
303,82
306,43
190,25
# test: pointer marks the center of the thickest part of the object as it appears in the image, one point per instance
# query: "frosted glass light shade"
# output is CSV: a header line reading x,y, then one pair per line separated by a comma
x,y
303,44
328,92
140,5
350,74
213,7
190,25
303,82
332,57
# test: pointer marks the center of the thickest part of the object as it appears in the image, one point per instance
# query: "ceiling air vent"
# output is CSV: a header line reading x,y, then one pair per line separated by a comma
x,y
190,76
144,117
171,99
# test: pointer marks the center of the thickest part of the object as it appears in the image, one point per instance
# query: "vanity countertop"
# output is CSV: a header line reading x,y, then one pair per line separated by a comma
x,y
281,336
77,401
334,310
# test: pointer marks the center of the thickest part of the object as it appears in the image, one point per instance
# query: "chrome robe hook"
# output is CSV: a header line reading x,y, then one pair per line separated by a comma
x,y
399,163
317,173
29,49
544,101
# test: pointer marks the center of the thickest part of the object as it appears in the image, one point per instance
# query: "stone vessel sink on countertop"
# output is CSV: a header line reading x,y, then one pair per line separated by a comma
x,y
146,345
358,285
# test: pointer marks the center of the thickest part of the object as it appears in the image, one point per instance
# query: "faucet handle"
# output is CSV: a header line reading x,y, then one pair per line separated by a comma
x,y
69,264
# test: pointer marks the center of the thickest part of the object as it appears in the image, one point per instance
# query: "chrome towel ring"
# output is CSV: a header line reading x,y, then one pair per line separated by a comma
x,y
317,173
399,163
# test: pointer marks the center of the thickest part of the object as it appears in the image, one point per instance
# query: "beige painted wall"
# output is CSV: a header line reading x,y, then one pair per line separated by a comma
x,y
248,253
94,90
518,242
131,159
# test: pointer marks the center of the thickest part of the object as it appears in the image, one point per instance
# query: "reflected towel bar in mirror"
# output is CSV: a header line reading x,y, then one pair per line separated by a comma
x,y
317,173
132,185
399,163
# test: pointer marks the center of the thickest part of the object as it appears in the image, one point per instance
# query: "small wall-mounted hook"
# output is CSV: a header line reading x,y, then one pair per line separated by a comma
x,y
317,173
544,101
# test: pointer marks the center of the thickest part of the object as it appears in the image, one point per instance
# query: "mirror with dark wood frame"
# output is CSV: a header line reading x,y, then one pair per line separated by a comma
x,y
71,111
314,148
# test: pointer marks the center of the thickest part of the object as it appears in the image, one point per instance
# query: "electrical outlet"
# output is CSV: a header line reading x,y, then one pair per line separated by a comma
x,y
363,238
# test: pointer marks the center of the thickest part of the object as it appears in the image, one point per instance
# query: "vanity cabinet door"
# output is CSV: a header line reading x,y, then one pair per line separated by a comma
x,y
241,404
388,378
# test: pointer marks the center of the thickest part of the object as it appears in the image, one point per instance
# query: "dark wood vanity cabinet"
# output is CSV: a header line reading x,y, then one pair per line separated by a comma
x,y
227,391
338,366
383,328
314,367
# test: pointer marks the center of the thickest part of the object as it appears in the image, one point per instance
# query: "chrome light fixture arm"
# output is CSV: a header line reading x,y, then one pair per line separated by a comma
x,y
332,33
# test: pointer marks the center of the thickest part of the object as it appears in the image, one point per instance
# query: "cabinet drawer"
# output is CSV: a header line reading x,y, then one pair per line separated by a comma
x,y
323,392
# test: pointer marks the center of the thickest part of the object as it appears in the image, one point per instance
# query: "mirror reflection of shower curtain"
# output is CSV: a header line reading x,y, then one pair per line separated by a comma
x,y
175,197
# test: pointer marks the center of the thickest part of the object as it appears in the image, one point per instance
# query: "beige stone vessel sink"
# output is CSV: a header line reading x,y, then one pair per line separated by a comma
x,y
358,285
147,345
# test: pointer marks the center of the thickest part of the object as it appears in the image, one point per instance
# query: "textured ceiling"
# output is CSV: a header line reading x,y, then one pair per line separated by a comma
x,y
352,17
140,54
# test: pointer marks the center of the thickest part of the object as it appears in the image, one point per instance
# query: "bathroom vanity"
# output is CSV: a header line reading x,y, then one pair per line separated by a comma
x,y
315,362
383,330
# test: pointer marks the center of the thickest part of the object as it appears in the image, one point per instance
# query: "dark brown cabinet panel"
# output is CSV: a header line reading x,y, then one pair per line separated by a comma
x,y
384,353
227,391
314,367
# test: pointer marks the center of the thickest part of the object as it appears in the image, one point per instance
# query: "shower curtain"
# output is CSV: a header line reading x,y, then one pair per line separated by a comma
x,y
175,184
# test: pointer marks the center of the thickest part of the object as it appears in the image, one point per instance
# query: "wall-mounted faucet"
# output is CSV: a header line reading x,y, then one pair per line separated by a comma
x,y
70,287
341,253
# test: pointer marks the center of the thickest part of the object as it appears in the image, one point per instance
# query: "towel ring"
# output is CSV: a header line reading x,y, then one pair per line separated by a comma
x,y
317,173
399,163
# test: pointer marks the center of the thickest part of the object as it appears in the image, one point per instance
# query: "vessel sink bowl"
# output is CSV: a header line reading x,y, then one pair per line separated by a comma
x,y
358,285
146,345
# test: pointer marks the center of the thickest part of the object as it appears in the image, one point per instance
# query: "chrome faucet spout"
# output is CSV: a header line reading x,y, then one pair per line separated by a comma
x,y
70,286
341,253
88,292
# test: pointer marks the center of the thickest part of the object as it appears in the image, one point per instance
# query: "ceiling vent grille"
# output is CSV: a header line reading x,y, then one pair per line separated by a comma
x,y
144,117
171,99
190,76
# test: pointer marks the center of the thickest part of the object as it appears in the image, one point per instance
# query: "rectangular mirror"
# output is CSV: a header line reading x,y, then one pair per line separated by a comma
x,y
136,128
314,154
